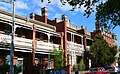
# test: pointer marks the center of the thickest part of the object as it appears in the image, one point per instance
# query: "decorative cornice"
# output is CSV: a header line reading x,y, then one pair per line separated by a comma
x,y
26,19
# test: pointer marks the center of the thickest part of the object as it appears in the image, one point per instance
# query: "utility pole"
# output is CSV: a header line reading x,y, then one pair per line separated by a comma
x,y
12,37
12,41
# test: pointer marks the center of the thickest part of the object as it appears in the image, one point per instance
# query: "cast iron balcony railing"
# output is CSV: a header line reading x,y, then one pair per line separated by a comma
x,y
23,43
75,46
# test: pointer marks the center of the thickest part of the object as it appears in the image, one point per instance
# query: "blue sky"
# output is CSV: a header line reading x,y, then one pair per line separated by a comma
x,y
55,9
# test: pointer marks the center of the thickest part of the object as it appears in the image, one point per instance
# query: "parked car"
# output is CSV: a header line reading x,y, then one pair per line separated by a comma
x,y
118,69
56,71
97,70
112,69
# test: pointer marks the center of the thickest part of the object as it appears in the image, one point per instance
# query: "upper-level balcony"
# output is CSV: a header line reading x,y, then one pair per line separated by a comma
x,y
76,47
45,35
25,45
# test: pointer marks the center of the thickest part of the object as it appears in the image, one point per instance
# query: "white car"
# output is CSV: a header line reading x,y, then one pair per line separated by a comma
x,y
113,68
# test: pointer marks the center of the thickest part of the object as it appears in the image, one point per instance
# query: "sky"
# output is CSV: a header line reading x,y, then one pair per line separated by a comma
x,y
55,10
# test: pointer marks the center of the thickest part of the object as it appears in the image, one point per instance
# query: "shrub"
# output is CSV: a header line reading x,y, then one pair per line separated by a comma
x,y
75,67
81,65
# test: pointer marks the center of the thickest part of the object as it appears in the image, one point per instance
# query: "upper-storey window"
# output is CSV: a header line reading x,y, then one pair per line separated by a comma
x,y
68,36
6,28
19,32
77,39
88,42
1,26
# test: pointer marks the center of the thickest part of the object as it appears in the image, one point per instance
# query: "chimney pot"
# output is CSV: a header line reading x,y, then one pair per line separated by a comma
x,y
45,14
97,24
44,11
32,15
64,17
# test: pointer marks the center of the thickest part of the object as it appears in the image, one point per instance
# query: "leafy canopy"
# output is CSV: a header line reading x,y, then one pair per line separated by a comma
x,y
58,58
109,13
102,54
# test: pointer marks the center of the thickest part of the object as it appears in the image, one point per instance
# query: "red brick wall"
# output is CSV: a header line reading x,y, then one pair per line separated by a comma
x,y
110,41
81,31
51,22
65,42
93,34
60,27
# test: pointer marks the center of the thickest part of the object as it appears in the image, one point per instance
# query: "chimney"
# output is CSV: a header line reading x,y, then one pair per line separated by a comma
x,y
32,16
97,25
64,17
45,14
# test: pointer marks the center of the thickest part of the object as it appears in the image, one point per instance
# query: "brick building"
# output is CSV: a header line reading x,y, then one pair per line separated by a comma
x,y
110,38
58,33
75,40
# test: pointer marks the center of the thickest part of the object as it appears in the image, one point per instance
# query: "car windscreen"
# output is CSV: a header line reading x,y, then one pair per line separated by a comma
x,y
93,69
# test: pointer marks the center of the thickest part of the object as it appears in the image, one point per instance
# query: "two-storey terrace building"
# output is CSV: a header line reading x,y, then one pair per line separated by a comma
x,y
46,38
58,33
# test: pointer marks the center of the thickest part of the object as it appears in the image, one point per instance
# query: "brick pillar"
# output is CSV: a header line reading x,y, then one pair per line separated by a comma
x,y
44,14
45,62
69,69
27,64
15,61
62,34
36,61
52,64
97,25
32,16
2,60
34,43
65,43
84,42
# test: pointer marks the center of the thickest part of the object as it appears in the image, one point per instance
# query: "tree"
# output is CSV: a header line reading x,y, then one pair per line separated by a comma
x,y
58,58
102,54
113,51
109,13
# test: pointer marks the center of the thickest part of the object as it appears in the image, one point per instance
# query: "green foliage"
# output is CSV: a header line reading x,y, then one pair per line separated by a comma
x,y
81,65
75,67
58,58
4,68
109,13
102,54
113,51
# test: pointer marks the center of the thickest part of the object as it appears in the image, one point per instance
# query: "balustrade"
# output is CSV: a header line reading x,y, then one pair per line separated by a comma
x,y
76,47
27,43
